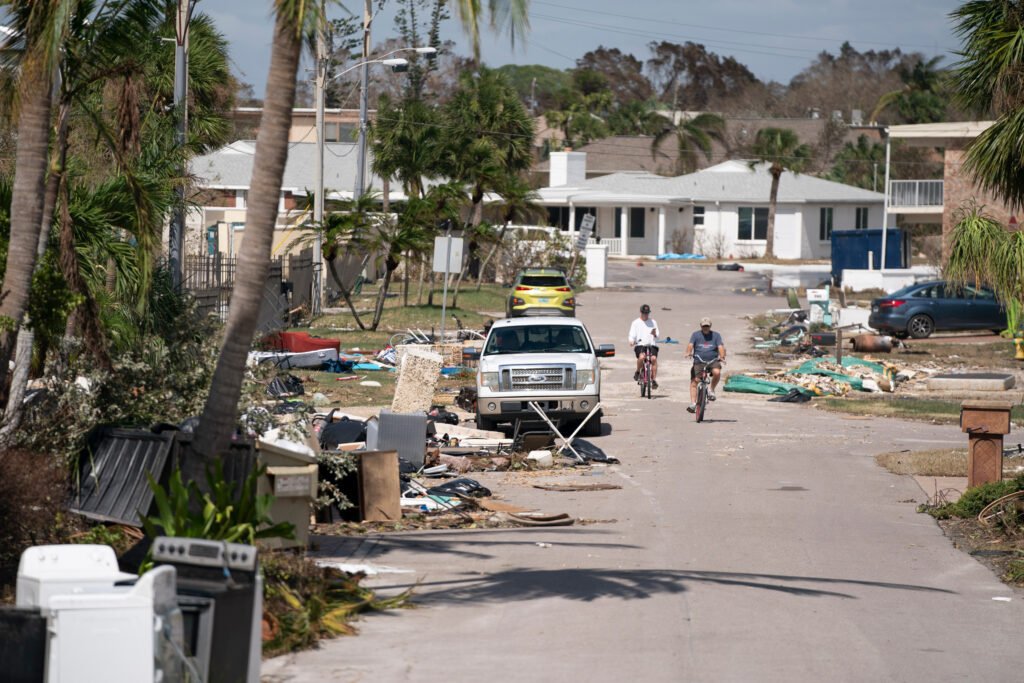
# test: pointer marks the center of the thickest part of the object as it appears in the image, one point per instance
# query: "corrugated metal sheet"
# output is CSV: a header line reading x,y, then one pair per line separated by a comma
x,y
239,462
113,485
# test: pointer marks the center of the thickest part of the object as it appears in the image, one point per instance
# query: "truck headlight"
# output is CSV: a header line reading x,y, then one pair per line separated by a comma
x,y
583,378
490,380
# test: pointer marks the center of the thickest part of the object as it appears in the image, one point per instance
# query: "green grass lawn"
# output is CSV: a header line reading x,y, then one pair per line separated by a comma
x,y
931,410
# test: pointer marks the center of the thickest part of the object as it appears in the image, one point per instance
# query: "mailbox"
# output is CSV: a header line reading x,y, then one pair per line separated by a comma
x,y
985,423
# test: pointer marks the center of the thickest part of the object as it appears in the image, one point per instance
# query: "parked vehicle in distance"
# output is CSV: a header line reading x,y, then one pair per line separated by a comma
x,y
920,309
541,291
553,362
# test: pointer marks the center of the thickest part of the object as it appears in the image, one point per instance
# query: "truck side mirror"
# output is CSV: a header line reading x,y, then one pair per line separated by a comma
x,y
605,351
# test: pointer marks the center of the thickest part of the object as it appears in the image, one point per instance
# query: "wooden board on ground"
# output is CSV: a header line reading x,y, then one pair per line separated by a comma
x,y
379,487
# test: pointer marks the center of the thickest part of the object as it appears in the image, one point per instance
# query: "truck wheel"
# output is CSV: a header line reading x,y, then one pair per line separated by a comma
x,y
486,424
593,427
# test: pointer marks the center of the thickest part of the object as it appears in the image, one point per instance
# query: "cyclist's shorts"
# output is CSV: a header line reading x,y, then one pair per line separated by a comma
x,y
697,365
654,350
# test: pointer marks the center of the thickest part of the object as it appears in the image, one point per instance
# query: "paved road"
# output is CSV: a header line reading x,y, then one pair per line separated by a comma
x,y
763,545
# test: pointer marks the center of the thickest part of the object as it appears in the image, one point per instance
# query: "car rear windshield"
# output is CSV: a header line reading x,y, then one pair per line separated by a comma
x,y
539,338
543,281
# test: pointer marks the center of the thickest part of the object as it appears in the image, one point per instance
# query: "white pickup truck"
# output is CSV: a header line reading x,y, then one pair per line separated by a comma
x,y
552,361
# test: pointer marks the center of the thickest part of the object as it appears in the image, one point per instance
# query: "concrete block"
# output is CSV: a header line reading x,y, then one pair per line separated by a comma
x,y
971,381
418,375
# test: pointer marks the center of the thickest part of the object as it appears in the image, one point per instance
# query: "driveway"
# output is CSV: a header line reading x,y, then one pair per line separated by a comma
x,y
761,545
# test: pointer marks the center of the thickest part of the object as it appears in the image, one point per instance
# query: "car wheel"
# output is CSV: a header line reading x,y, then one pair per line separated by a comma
x,y
920,326
593,426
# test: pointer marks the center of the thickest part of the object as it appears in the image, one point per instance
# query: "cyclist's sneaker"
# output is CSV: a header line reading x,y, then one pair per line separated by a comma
x,y
692,408
711,395
654,384
636,376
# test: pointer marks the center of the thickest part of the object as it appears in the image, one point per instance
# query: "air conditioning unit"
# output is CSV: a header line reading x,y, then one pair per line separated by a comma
x,y
837,115
857,117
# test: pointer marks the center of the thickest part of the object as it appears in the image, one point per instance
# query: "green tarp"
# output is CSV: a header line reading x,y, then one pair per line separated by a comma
x,y
753,385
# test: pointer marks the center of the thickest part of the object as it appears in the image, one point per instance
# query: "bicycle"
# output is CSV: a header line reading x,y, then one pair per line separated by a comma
x,y
645,381
703,389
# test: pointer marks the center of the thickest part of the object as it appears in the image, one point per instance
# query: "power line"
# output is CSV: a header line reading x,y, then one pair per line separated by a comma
x,y
729,29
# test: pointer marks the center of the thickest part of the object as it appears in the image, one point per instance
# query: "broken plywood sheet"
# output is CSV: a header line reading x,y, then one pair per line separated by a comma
x,y
418,375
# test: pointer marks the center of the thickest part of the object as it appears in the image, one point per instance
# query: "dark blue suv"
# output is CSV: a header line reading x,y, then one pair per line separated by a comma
x,y
923,308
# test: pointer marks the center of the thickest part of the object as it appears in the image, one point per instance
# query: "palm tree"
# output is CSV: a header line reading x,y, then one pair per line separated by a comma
x,y
919,99
693,136
781,148
517,203
406,143
42,27
983,251
294,22
514,13
987,82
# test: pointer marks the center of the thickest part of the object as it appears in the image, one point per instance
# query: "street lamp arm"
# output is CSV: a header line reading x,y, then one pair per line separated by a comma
x,y
388,62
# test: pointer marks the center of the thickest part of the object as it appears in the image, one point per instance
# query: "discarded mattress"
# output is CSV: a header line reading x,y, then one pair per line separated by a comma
x,y
286,359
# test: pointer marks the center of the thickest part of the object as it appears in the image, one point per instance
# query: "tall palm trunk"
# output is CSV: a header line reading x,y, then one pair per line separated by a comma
x,y
476,217
494,250
28,195
389,269
769,245
219,415
26,337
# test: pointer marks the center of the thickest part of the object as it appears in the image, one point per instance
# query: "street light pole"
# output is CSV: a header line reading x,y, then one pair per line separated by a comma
x,y
318,200
176,230
364,77
316,296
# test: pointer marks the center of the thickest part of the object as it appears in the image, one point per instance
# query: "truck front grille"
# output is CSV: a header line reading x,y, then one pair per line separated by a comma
x,y
546,378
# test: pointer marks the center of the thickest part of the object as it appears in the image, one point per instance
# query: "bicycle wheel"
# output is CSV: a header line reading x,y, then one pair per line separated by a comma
x,y
702,401
648,381
643,382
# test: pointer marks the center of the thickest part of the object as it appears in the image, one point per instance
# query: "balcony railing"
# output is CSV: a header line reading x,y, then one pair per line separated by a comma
x,y
922,193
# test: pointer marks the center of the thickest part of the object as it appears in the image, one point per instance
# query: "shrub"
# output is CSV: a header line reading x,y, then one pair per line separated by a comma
x,y
975,499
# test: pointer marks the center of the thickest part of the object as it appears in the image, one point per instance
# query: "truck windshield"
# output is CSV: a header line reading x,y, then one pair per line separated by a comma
x,y
539,338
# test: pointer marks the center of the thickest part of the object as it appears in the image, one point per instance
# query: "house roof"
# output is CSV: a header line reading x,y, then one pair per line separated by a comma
x,y
938,134
729,181
230,168
624,153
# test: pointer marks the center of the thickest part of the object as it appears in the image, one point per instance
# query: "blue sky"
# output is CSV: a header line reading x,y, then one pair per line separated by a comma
x,y
775,38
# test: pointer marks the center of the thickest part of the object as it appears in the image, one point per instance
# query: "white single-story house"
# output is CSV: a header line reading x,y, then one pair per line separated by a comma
x,y
721,211
217,221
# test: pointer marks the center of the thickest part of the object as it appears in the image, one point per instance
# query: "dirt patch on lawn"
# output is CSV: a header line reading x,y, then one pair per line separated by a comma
x,y
947,462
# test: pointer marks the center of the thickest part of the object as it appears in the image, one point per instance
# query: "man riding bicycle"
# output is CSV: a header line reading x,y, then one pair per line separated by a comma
x,y
707,349
643,335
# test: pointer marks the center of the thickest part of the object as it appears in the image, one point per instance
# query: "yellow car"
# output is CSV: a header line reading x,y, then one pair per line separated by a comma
x,y
541,291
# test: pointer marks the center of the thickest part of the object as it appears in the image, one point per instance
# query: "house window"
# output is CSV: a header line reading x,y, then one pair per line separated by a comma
x,y
862,218
618,221
698,216
753,223
558,217
825,223
636,221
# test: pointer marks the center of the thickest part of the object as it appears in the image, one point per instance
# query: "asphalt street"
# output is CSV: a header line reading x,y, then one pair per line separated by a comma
x,y
762,545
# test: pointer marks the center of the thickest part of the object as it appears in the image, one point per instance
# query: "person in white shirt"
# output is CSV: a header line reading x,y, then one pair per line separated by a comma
x,y
643,337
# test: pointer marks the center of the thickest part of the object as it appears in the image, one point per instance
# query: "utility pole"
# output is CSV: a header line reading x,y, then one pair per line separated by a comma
x,y
320,80
363,101
176,232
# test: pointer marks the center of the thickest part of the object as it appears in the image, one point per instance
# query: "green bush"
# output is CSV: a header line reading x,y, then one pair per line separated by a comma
x,y
975,499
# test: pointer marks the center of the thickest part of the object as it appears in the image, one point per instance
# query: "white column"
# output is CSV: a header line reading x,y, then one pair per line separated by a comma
x,y
661,230
572,221
625,231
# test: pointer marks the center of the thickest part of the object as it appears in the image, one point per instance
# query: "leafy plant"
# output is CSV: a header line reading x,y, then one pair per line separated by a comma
x,y
304,602
334,468
220,514
975,499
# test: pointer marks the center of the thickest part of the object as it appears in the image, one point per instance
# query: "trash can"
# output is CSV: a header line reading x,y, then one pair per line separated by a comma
x,y
291,477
